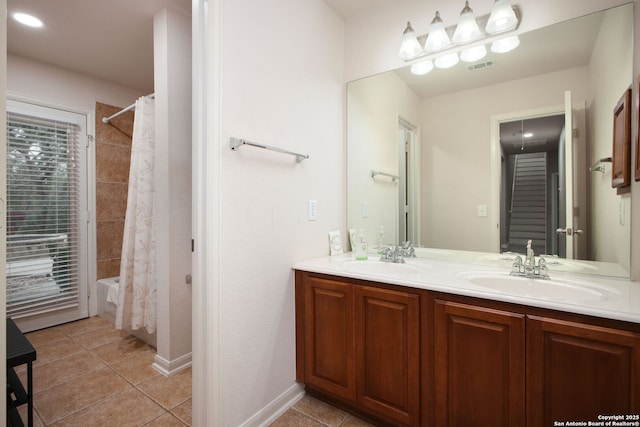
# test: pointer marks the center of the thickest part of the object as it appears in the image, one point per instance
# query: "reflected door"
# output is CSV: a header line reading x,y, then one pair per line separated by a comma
x,y
408,211
574,182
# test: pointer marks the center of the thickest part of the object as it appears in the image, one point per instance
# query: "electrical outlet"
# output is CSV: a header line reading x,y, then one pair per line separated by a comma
x,y
313,210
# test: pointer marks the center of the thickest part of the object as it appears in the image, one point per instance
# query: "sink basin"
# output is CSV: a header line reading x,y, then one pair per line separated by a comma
x,y
566,290
379,268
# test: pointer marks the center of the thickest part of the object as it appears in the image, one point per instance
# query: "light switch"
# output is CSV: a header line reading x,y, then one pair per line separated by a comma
x,y
482,210
365,209
313,210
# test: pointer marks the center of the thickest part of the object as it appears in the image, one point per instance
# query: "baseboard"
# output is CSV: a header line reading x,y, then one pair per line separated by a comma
x,y
170,367
277,407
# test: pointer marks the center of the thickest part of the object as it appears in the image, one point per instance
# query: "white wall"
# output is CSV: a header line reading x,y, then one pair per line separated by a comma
x,y
372,40
172,86
611,233
456,143
32,79
281,71
375,105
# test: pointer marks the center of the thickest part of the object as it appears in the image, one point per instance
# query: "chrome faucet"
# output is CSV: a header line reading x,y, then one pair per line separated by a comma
x,y
398,253
408,251
529,268
530,261
392,254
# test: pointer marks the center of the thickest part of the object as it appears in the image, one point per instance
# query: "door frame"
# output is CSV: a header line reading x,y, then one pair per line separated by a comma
x,y
409,172
496,160
87,220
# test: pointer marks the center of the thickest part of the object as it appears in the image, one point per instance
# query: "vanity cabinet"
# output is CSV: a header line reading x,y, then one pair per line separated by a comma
x,y
577,371
412,357
388,353
479,366
360,345
497,364
330,345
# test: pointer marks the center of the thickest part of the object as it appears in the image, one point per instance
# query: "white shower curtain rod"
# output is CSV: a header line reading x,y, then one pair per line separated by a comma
x,y
124,110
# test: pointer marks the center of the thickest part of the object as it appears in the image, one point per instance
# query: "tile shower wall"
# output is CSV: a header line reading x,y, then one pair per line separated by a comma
x,y
113,157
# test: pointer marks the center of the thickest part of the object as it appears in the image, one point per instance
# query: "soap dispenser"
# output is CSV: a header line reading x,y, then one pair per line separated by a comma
x,y
361,247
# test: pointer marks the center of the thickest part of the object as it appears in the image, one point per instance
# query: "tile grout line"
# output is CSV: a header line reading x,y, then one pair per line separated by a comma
x,y
301,412
104,362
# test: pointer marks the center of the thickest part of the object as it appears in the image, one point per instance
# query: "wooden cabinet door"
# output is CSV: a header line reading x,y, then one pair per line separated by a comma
x,y
479,366
329,336
388,353
577,371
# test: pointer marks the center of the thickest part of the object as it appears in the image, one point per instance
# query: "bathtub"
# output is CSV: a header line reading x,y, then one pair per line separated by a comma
x,y
107,295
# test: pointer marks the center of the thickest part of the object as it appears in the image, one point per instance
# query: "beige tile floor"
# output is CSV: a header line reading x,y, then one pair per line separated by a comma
x,y
87,373
311,412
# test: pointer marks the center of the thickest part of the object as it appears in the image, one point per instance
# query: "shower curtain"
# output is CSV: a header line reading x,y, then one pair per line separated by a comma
x,y
136,307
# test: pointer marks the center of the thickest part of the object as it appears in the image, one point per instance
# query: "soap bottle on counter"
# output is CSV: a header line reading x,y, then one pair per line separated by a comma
x,y
361,247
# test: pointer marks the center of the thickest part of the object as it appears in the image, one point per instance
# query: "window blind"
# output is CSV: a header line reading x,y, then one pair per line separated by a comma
x,y
43,212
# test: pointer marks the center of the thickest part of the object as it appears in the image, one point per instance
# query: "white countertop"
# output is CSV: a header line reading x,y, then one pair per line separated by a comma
x,y
604,296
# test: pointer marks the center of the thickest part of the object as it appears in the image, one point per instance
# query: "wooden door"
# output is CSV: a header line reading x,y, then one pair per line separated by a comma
x,y
479,366
329,336
577,371
388,353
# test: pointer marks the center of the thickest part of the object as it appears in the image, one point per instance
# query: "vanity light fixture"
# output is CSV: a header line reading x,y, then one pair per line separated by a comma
x,y
467,39
502,18
28,20
473,54
447,60
409,47
437,39
467,29
421,68
505,45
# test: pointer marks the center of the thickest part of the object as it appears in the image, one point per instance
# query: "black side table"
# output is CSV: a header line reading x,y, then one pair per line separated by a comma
x,y
19,352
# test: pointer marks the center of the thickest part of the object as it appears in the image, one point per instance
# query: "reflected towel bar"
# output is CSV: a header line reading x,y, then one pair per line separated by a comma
x,y
237,142
598,166
394,178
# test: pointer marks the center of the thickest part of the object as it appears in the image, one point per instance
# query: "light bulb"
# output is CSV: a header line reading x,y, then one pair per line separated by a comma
x,y
473,54
437,39
467,29
409,47
28,20
421,68
447,60
505,45
502,18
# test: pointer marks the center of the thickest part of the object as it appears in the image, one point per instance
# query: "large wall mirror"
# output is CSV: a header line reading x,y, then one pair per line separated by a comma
x,y
437,159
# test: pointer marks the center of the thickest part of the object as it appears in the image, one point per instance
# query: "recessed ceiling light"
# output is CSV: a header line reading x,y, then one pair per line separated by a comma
x,y
528,134
28,20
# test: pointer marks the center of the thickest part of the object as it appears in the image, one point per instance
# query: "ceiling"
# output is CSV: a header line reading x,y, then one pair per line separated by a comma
x,y
546,133
108,39
347,8
113,41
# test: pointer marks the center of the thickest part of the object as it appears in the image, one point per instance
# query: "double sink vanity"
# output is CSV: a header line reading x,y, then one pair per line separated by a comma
x,y
455,340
